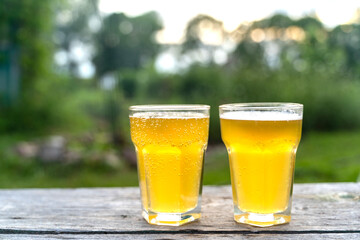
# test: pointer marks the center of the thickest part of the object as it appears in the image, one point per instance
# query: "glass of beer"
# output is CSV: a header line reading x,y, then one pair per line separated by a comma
x,y
261,141
170,142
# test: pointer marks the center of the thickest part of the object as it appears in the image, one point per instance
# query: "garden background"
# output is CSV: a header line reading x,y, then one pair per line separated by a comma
x,y
69,72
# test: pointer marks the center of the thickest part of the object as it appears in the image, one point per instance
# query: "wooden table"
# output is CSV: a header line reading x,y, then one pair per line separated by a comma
x,y
320,211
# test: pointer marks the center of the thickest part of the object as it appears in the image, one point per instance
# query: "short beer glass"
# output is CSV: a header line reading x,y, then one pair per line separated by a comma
x,y
261,141
170,142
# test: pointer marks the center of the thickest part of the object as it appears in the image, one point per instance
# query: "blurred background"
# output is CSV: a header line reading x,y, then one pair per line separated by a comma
x,y
69,70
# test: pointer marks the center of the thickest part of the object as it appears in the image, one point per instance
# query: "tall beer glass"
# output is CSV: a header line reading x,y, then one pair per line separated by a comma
x,y
261,140
170,141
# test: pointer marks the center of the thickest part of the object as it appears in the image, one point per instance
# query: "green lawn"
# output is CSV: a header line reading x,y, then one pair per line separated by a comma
x,y
329,157
322,157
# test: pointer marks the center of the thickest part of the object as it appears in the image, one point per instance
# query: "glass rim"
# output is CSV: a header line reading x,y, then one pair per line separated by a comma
x,y
170,107
261,106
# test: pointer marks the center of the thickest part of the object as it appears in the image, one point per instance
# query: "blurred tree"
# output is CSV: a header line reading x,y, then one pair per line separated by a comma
x,y
76,23
250,54
277,41
203,36
277,20
281,59
26,27
260,41
347,39
125,42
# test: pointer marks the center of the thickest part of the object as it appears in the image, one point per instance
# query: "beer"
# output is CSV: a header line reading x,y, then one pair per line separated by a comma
x,y
170,150
261,148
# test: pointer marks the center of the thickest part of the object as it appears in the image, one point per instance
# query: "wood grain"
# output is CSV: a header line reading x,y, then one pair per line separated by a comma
x,y
318,209
351,236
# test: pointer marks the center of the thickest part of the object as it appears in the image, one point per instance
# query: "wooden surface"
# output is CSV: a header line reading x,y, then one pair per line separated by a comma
x,y
320,211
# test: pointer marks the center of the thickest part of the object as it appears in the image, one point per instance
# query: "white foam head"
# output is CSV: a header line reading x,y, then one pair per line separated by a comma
x,y
261,116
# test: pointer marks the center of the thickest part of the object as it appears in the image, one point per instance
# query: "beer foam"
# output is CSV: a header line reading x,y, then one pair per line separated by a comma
x,y
171,115
261,116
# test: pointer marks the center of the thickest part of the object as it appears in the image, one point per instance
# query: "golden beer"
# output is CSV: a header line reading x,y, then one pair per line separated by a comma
x,y
261,148
170,150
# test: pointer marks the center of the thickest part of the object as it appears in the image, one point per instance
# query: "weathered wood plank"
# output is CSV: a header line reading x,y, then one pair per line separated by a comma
x,y
332,208
342,236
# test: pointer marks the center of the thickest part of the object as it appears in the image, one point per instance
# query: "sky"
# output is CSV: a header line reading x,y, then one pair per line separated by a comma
x,y
176,14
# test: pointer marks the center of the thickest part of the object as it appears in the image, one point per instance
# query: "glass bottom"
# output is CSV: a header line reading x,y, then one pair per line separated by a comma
x,y
170,219
262,220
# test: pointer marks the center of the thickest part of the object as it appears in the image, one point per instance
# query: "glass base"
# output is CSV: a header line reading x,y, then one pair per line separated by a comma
x,y
170,219
262,220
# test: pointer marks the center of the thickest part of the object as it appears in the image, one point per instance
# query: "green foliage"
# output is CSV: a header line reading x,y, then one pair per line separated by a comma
x,y
47,101
275,59
76,23
27,25
346,38
330,102
205,85
193,38
125,42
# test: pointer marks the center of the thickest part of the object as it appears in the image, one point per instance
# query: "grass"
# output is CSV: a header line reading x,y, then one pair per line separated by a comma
x,y
329,157
16,172
36,175
322,157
